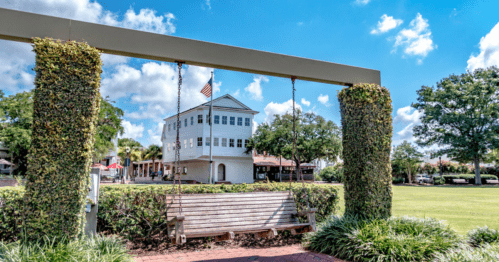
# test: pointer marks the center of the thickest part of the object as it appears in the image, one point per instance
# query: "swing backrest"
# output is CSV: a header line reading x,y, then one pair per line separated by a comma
x,y
214,214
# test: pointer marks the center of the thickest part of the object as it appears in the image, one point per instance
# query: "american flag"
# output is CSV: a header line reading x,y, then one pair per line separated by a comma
x,y
207,88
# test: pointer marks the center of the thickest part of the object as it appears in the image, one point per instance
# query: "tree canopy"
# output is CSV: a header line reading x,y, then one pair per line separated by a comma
x,y
407,157
153,152
136,149
316,138
461,115
16,119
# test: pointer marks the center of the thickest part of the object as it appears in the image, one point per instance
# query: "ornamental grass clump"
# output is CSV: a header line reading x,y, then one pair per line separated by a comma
x,y
98,248
483,235
465,253
394,239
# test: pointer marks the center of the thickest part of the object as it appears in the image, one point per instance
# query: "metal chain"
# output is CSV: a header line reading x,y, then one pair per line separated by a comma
x,y
177,144
294,132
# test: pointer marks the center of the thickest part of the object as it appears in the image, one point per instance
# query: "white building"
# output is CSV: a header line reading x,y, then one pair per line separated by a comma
x,y
232,128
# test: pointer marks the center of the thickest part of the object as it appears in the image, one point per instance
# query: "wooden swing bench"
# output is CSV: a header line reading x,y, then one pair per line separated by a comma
x,y
224,215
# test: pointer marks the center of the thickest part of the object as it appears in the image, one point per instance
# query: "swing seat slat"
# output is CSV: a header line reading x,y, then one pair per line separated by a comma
x,y
224,215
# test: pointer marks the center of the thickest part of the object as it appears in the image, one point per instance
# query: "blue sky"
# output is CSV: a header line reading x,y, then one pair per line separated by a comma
x,y
412,43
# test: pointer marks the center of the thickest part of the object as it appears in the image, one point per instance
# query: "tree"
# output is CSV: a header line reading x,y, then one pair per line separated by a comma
x,y
16,118
408,157
153,152
316,138
462,114
108,127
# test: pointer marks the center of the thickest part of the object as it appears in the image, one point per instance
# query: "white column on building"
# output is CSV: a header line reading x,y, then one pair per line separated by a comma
x,y
215,171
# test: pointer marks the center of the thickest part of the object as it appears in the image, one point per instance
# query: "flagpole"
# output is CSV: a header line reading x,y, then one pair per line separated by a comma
x,y
211,131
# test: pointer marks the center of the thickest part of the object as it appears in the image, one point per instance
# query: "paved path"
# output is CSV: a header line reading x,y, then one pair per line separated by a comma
x,y
293,253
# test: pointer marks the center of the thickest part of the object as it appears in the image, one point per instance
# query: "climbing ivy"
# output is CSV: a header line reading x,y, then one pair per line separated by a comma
x,y
66,106
367,135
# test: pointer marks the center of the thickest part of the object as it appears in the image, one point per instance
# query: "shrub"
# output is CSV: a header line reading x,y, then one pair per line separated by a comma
x,y
333,173
465,253
469,177
11,205
438,180
483,235
366,120
394,239
139,211
398,180
102,249
65,110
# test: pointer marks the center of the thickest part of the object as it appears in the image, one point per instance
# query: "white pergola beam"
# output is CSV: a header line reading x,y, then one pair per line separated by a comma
x,y
23,26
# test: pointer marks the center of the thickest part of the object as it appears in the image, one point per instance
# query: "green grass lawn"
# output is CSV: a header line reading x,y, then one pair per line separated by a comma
x,y
463,208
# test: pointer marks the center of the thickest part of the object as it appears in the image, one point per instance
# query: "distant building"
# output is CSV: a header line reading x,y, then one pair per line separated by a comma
x,y
232,128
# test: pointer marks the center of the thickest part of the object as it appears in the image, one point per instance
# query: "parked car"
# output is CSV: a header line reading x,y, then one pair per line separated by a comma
x,y
423,179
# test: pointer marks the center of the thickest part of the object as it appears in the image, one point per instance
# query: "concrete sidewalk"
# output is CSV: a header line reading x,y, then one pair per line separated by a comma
x,y
293,253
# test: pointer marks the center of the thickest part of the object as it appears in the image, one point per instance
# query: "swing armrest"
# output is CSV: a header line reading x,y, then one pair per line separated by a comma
x,y
176,219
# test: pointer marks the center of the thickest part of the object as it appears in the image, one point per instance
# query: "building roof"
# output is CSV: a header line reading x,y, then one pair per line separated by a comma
x,y
225,102
266,160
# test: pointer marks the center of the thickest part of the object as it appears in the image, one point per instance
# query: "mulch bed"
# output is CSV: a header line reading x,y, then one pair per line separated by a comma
x,y
159,245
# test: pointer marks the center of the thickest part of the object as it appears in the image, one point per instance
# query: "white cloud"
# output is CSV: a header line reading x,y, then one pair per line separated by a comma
x,y
255,88
416,39
131,130
386,24
489,51
299,23
237,94
305,102
273,109
324,99
154,88
408,115
406,133
255,127
15,74
362,2
208,4
155,134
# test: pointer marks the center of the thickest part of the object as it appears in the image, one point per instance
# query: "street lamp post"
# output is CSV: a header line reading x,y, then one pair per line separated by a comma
x,y
440,160
127,163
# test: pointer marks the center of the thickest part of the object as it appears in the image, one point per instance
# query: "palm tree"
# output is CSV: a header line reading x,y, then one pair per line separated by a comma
x,y
153,152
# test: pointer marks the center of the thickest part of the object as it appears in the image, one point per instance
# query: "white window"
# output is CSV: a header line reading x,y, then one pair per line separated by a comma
x,y
224,120
224,142
240,142
207,141
215,141
200,119
185,143
192,120
168,147
191,142
200,141
232,121
240,121
247,121
169,127
231,142
216,120
185,122
246,141
208,119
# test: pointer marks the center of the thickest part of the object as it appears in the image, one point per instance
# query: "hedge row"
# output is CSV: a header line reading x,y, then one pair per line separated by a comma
x,y
469,177
138,212
366,118
65,109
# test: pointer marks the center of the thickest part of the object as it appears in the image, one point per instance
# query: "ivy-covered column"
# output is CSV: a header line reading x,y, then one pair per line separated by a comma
x,y
367,135
66,106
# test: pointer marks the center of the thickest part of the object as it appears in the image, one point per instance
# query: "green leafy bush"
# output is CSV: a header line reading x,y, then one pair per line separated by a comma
x,y
366,120
11,206
465,253
483,235
398,180
393,239
438,180
469,177
139,212
332,173
102,249
65,110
